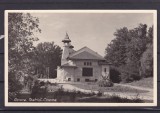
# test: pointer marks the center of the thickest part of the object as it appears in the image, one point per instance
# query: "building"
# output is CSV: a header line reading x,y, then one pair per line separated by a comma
x,y
84,65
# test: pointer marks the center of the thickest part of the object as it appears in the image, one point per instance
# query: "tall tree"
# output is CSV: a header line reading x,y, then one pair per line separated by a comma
x,y
147,57
128,47
47,55
116,50
21,29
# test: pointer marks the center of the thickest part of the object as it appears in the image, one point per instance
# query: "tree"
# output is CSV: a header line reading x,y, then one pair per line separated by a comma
x,y
138,43
116,50
21,29
147,57
47,54
127,49
147,62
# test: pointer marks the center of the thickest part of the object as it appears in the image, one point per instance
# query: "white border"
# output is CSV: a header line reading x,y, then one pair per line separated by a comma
x,y
15,104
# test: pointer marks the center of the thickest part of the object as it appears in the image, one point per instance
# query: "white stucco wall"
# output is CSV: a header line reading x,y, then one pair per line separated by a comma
x,y
64,73
106,74
76,73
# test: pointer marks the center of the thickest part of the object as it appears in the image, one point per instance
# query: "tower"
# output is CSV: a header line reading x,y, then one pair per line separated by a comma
x,y
67,49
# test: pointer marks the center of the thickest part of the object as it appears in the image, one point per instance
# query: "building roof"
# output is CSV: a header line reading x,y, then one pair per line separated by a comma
x,y
86,53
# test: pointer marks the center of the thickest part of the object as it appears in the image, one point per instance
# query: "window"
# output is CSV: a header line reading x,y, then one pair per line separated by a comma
x,y
95,80
87,72
105,70
90,63
87,63
69,79
86,80
78,79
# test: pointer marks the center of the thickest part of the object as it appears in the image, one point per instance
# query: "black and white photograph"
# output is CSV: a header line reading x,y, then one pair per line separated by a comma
x,y
80,58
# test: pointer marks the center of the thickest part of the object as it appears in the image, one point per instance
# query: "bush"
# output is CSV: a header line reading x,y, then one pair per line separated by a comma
x,y
39,90
99,93
62,95
14,84
105,83
11,96
115,75
126,78
135,76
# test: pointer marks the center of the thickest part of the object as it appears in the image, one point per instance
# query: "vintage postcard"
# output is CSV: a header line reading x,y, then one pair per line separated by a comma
x,y
80,58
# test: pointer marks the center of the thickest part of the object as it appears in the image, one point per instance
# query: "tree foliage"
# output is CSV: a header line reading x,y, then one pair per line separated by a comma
x,y
21,29
25,60
147,62
47,54
115,52
127,49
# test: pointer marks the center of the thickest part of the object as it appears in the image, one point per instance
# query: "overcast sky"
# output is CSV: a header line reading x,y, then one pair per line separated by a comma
x,y
87,29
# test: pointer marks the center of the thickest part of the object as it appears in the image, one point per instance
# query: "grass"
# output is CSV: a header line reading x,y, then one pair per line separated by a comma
x,y
111,99
145,82
115,88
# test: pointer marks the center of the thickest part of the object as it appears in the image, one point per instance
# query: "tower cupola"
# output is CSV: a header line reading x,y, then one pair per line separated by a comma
x,y
67,49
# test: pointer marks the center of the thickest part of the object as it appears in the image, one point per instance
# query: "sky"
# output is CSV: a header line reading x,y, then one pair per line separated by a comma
x,y
94,30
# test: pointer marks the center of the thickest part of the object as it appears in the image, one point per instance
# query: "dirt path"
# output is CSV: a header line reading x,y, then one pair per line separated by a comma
x,y
147,95
135,87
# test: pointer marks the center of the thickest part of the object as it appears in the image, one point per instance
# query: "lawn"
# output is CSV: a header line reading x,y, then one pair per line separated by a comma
x,y
145,82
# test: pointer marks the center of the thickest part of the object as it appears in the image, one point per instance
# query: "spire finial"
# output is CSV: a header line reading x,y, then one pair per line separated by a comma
x,y
66,39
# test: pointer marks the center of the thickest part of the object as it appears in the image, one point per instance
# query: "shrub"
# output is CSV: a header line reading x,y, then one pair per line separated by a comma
x,y
126,78
39,90
35,89
14,84
116,98
54,84
99,93
105,83
115,75
135,76
62,95
11,96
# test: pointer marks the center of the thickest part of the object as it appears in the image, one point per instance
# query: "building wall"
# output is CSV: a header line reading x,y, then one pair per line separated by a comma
x,y
80,65
105,71
66,73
